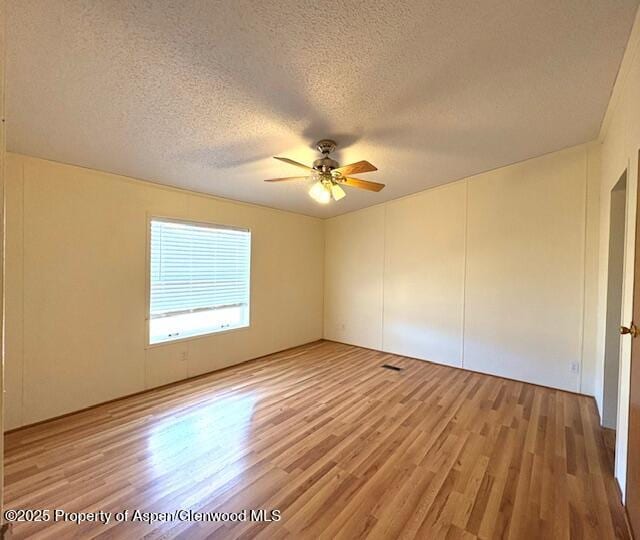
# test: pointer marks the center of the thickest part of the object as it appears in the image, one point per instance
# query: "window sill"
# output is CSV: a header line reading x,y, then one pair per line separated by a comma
x,y
199,336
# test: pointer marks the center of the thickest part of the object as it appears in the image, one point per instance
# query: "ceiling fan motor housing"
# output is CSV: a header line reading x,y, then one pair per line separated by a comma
x,y
325,164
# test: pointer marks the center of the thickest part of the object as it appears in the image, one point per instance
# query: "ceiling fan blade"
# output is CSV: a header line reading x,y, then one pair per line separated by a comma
x,y
287,178
291,162
362,184
356,168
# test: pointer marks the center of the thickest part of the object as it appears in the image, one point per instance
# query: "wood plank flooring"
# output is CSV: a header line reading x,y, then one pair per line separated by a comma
x,y
340,446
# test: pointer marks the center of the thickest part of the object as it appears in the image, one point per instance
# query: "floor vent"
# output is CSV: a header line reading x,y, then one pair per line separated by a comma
x,y
389,366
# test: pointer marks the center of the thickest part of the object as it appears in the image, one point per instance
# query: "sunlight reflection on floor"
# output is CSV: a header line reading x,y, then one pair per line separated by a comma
x,y
211,439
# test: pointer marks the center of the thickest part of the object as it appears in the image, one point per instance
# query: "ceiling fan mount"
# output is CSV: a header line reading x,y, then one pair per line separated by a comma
x,y
327,174
326,146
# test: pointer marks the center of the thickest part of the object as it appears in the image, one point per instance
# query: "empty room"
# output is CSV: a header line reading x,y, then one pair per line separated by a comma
x,y
320,270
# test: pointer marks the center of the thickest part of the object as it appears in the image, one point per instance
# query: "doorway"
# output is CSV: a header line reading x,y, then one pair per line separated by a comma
x,y
617,226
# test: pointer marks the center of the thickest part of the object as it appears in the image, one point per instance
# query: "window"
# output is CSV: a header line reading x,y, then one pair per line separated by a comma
x,y
199,279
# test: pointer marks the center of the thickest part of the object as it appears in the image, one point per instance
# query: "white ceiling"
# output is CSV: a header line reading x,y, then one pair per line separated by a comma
x,y
201,94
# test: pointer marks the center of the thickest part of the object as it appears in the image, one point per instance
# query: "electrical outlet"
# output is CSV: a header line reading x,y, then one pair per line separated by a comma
x,y
575,367
184,356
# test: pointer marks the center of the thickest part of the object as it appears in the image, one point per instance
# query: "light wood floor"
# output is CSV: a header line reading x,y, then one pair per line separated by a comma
x,y
342,447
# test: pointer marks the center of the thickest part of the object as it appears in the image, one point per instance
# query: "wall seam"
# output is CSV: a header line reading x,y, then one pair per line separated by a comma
x,y
22,234
384,272
585,231
324,278
464,273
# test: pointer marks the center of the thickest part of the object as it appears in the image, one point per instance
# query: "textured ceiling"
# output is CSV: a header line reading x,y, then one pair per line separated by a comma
x,y
201,94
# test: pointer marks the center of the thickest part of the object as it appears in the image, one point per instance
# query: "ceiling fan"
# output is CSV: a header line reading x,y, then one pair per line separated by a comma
x,y
328,176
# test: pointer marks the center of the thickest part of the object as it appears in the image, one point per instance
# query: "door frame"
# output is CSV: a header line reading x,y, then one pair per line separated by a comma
x,y
629,313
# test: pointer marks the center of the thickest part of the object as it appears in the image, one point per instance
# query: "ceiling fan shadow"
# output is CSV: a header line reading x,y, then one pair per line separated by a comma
x,y
227,156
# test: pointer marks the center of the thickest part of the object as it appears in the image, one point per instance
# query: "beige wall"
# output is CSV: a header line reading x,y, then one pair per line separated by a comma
x,y
496,273
76,282
354,254
424,269
620,138
525,270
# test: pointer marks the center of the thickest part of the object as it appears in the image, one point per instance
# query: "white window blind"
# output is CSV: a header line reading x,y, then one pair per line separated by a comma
x,y
197,269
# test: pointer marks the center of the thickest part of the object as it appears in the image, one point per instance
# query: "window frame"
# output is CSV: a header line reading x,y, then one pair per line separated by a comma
x,y
201,223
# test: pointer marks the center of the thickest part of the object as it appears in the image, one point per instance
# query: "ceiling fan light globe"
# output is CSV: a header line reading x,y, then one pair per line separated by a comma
x,y
337,192
320,193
